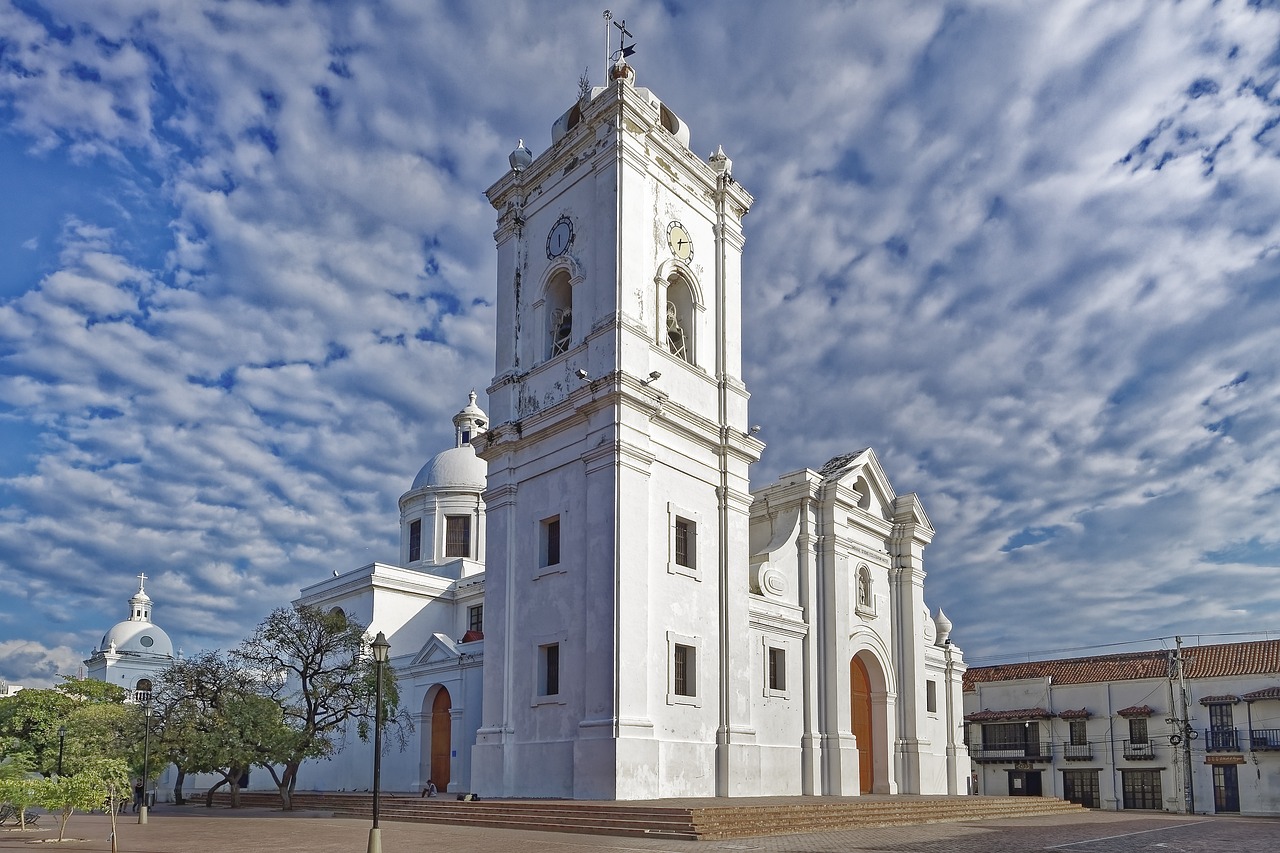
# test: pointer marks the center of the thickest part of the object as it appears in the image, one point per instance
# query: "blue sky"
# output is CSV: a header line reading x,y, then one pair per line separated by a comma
x,y
1030,253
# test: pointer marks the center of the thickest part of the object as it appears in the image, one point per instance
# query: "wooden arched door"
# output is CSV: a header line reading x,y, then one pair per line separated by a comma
x,y
441,739
860,696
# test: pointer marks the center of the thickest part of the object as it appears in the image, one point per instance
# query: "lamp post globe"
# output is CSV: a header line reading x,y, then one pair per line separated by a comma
x,y
381,654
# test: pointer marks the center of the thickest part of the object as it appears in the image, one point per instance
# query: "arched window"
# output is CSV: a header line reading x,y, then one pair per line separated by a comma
x,y
559,308
678,326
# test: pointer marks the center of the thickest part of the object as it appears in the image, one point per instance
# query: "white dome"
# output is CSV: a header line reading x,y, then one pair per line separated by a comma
x,y
457,466
138,638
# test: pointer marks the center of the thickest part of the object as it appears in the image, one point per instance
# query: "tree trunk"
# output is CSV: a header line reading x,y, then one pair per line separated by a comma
x,y
178,799
208,797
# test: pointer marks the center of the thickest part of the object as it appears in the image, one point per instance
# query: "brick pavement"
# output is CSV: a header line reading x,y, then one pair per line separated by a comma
x,y
194,829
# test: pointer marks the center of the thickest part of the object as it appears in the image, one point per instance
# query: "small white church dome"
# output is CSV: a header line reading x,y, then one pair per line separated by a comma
x,y
457,466
137,638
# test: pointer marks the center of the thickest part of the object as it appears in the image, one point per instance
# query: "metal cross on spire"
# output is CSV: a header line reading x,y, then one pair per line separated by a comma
x,y
142,581
624,50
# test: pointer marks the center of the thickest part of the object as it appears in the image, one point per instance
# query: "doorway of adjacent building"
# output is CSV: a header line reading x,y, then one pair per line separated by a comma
x,y
1081,786
860,690
1226,788
1024,783
441,739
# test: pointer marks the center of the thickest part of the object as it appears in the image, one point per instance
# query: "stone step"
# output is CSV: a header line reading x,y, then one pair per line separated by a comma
x,y
771,816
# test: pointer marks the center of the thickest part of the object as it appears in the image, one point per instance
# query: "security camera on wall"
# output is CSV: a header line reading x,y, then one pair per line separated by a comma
x,y
581,374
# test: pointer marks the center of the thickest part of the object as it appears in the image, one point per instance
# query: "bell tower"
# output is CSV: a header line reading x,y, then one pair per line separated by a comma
x,y
618,504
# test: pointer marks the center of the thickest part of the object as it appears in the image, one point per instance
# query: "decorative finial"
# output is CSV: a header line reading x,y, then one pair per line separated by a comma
x,y
520,158
142,582
720,161
472,397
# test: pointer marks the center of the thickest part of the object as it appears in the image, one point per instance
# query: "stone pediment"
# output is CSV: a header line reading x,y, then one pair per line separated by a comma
x,y
439,649
861,472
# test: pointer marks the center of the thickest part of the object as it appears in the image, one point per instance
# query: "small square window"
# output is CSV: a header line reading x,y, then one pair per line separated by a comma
x,y
777,669
549,670
685,671
551,542
475,618
931,697
457,536
415,540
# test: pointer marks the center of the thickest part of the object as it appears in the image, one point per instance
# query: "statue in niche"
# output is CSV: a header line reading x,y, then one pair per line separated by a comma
x,y
675,333
561,329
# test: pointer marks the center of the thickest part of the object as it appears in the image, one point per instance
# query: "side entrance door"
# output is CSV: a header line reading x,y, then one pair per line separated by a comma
x,y
1226,789
1024,783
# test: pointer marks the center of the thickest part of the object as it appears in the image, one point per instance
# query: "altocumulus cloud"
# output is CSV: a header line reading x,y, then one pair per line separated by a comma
x,y
1028,254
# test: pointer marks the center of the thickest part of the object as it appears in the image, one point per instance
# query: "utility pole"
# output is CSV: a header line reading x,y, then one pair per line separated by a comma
x,y
1188,786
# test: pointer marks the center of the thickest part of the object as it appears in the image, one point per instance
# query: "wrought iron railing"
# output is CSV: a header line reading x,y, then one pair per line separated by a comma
x,y
1011,752
1222,740
1138,750
1077,751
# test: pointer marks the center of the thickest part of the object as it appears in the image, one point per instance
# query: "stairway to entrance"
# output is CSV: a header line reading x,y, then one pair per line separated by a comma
x,y
691,819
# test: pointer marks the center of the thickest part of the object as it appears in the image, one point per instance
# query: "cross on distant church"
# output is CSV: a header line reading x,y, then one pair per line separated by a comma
x,y
142,580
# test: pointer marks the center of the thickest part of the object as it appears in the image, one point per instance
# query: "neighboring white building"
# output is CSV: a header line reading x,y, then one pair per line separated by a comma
x,y
7,689
1118,732
590,602
134,651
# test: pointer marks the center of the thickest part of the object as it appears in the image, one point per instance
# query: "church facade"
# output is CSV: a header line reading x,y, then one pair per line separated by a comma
x,y
590,601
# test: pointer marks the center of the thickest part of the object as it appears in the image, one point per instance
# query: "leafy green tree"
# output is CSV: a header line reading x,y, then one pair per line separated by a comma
x,y
314,665
22,792
216,722
98,782
29,720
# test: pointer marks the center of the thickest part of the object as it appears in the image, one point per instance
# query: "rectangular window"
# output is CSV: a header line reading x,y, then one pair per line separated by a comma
x,y
415,540
685,670
686,542
931,697
777,669
457,536
1137,729
475,618
1078,737
551,542
549,670
1141,789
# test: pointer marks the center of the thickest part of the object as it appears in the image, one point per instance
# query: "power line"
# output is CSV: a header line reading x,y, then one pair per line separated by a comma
x,y
1019,656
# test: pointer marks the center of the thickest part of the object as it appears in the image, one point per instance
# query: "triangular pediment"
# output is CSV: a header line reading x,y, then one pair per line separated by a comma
x,y
438,649
861,472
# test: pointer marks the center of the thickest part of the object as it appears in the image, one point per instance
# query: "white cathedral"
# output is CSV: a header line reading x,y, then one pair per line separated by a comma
x,y
589,601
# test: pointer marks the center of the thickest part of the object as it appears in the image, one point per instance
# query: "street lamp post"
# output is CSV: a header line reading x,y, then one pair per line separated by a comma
x,y
146,760
381,652
62,737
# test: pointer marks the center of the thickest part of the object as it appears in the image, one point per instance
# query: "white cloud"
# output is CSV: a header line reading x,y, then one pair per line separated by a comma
x,y
1022,252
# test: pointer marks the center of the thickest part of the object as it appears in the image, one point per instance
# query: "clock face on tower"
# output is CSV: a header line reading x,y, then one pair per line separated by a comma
x,y
679,241
560,238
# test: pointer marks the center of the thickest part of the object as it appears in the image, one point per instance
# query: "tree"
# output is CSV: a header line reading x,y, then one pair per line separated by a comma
x,y
22,791
213,721
104,780
29,721
315,666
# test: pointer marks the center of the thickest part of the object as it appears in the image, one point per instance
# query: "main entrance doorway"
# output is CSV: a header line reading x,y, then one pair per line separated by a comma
x,y
860,689
441,739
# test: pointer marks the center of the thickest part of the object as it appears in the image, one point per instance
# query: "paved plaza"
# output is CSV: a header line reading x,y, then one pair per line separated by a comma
x,y
190,829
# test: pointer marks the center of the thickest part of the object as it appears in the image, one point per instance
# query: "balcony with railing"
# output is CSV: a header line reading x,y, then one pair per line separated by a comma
x,y
1011,752
1136,750
1222,740
1077,751
1260,739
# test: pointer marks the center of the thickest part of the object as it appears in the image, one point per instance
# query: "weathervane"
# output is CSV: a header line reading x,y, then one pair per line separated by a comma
x,y
624,50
